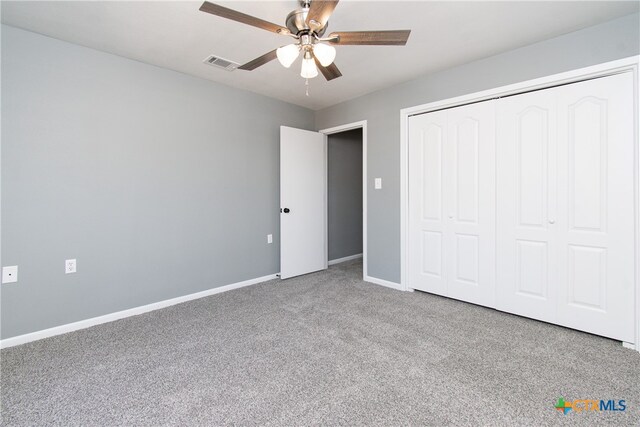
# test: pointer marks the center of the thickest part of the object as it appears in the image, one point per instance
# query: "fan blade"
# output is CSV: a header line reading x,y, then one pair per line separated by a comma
x,y
261,60
331,72
234,15
395,38
319,13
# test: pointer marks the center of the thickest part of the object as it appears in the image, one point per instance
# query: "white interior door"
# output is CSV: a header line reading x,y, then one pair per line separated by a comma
x,y
470,195
548,214
303,202
526,253
565,165
427,140
451,202
596,206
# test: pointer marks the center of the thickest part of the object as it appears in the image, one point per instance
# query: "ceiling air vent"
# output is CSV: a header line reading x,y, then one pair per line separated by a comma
x,y
216,61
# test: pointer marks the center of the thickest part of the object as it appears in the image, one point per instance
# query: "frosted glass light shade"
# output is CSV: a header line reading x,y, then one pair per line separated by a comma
x,y
325,53
287,54
309,69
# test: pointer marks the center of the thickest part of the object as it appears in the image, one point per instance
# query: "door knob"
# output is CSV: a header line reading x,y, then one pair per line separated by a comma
x,y
286,210
552,221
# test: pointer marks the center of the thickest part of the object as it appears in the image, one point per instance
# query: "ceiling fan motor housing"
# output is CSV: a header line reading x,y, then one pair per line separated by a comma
x,y
296,23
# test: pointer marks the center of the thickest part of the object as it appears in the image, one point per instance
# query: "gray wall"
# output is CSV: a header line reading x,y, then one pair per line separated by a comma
x,y
345,193
609,41
160,184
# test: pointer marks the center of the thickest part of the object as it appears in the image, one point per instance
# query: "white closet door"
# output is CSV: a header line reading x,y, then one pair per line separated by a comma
x,y
451,203
526,205
470,203
596,206
427,140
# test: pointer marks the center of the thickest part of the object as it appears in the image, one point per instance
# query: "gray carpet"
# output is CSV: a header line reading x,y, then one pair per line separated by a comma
x,y
322,349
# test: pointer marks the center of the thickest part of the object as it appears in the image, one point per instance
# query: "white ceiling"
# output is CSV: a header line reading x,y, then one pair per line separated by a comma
x,y
176,35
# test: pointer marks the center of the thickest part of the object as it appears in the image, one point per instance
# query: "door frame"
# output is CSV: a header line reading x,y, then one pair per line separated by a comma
x,y
343,128
600,70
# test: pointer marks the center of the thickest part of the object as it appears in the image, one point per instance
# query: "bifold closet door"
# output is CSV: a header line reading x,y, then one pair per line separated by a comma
x,y
596,206
427,144
451,202
526,248
565,206
470,203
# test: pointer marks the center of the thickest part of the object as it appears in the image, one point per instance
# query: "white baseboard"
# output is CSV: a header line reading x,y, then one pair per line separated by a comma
x,y
87,323
345,259
384,283
630,346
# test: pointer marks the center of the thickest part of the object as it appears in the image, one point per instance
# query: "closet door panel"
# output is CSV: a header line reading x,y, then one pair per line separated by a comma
x,y
427,143
526,204
470,202
596,206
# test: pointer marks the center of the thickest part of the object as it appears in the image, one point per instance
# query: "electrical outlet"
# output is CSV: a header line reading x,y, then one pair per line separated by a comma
x,y
269,238
10,274
70,266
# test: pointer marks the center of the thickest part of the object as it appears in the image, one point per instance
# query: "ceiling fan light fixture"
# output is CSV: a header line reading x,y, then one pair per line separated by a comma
x,y
325,53
288,54
309,69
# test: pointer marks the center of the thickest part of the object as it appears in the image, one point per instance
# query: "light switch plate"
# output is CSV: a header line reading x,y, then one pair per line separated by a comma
x,y
378,183
10,274
70,266
269,238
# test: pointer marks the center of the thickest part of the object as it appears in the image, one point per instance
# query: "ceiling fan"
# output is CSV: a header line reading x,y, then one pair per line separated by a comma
x,y
307,26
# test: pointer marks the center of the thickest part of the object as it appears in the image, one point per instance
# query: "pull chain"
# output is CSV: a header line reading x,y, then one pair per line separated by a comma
x,y
306,86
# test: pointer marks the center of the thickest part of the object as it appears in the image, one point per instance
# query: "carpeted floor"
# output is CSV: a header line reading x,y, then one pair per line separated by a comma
x,y
321,349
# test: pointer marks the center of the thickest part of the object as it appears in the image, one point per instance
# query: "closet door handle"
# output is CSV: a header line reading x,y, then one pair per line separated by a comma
x,y
552,221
